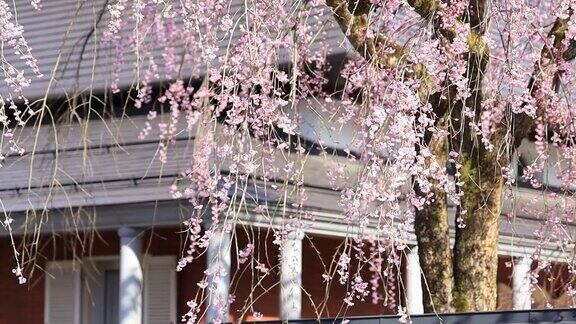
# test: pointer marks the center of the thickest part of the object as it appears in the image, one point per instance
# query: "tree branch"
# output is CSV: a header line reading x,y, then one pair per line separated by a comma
x,y
354,25
523,123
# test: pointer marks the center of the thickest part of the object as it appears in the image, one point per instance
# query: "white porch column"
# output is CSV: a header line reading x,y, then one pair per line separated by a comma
x,y
219,261
522,294
291,277
414,300
131,282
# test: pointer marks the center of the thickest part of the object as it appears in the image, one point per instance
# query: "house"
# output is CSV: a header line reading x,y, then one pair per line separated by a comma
x,y
100,233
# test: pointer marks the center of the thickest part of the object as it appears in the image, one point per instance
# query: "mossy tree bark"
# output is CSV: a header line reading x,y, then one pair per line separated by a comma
x,y
476,244
431,224
434,250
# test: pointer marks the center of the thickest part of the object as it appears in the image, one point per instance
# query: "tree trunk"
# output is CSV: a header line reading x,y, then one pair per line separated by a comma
x,y
434,251
476,246
476,242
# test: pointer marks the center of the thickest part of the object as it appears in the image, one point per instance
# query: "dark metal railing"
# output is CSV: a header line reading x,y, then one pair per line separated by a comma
x,y
549,316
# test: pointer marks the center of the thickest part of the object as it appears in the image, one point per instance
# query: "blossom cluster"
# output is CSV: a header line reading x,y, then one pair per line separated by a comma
x,y
244,77
260,62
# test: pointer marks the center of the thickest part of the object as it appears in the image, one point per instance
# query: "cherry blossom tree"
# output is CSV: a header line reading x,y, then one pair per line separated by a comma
x,y
441,94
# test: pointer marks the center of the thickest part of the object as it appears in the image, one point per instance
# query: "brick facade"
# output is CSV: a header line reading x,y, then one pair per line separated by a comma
x,y
25,303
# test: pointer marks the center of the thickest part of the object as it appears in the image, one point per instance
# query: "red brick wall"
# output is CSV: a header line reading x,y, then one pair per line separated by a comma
x,y
19,304
253,291
318,254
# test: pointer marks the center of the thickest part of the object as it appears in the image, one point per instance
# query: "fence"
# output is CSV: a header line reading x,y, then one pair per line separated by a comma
x,y
563,316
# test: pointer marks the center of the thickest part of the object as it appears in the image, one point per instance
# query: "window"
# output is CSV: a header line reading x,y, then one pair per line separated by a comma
x,y
89,293
111,300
